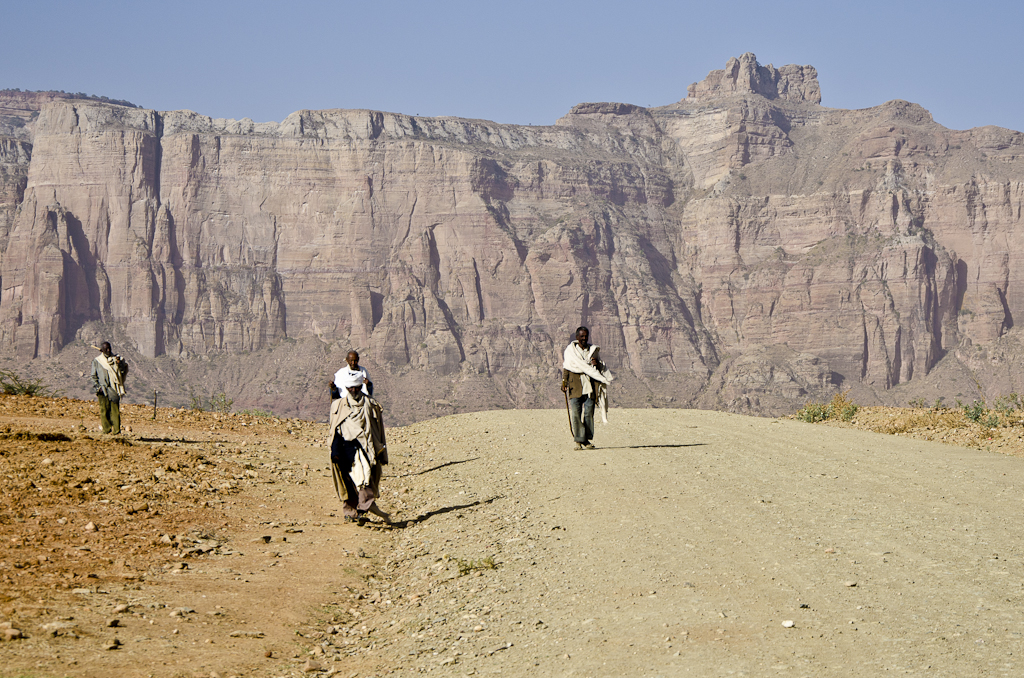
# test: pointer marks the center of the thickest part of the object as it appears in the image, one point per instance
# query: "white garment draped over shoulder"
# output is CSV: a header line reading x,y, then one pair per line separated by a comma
x,y
577,359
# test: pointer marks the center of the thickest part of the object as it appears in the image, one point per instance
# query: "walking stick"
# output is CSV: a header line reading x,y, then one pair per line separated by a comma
x,y
569,416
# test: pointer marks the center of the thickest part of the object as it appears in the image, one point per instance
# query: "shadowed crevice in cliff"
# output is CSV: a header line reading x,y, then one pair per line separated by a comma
x,y
453,327
80,273
501,217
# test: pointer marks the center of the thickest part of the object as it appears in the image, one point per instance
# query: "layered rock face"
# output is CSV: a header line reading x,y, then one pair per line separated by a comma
x,y
743,248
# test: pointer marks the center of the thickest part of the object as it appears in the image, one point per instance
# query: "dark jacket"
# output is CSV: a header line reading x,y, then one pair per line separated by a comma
x,y
101,378
572,379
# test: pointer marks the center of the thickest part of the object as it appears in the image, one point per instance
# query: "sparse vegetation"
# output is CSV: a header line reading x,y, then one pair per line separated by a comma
x,y
840,408
14,384
467,566
975,411
256,413
195,401
221,403
974,425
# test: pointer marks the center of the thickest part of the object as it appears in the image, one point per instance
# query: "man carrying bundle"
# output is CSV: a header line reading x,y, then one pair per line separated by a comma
x,y
108,373
358,448
584,380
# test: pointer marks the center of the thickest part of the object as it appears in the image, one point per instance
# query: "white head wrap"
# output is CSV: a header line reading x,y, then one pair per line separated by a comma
x,y
350,377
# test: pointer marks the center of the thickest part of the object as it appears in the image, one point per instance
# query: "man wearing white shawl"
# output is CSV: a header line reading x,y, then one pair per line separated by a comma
x,y
585,381
108,373
351,369
358,448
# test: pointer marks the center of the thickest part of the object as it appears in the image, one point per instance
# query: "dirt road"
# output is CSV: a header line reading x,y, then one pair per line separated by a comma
x,y
689,540
689,543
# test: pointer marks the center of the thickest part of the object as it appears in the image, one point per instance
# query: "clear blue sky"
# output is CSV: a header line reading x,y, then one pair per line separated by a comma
x,y
518,62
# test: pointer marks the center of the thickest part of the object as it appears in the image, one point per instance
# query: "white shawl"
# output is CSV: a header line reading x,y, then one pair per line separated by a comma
x,y
356,426
110,365
576,359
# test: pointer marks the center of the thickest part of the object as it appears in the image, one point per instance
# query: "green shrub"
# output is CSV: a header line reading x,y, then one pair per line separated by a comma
x,y
195,401
992,421
840,408
812,413
13,384
975,411
255,413
221,403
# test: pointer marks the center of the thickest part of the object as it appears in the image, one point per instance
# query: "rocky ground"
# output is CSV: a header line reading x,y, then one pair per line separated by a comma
x,y
689,542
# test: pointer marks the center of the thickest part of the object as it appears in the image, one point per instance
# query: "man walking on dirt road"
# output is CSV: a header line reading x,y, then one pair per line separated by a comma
x,y
584,380
108,373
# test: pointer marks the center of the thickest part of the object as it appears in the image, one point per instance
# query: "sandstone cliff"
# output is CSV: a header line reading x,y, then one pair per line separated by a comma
x,y
742,248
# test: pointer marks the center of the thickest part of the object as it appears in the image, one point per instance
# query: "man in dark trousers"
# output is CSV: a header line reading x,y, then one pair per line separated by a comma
x,y
584,379
108,374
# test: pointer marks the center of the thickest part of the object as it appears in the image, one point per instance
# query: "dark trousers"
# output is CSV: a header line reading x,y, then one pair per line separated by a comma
x,y
581,415
356,501
110,414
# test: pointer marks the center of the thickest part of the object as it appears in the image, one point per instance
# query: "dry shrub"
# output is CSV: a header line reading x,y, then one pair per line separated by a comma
x,y
841,408
913,420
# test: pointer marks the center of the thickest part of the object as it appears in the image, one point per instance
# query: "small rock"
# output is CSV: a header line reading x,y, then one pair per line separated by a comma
x,y
121,608
113,644
269,654
113,623
788,624
11,634
91,527
849,583
59,628
311,666
47,461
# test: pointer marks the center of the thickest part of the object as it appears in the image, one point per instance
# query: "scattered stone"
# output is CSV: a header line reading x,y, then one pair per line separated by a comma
x,y
246,634
59,628
11,634
789,624
311,666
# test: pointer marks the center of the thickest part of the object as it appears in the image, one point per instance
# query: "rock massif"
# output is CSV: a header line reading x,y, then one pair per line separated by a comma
x,y
743,248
